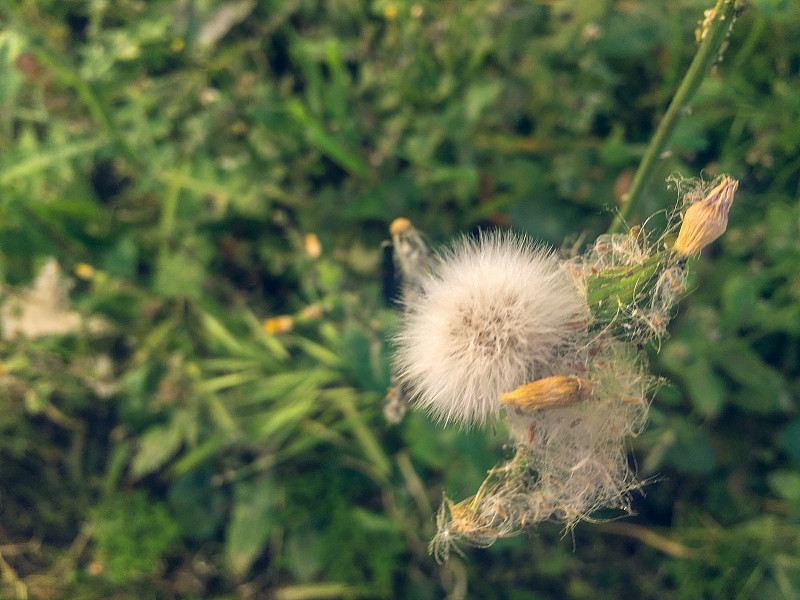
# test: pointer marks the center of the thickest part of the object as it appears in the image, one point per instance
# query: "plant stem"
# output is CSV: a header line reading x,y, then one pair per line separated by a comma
x,y
721,20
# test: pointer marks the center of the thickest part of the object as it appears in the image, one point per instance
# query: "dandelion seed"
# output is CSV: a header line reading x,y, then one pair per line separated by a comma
x,y
494,313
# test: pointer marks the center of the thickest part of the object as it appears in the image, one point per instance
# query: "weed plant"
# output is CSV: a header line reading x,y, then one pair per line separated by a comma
x,y
196,302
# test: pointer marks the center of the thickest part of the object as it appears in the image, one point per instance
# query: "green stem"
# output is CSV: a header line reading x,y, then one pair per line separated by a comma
x,y
622,282
715,34
611,290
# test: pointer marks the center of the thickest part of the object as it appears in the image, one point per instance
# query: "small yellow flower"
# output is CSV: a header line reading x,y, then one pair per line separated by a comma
x,y
706,220
390,12
313,245
278,325
84,271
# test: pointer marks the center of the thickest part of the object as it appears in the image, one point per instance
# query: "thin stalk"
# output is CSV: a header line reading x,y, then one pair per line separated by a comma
x,y
715,33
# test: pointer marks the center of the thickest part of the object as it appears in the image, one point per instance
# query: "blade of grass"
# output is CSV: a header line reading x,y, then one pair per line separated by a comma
x,y
42,160
343,397
284,419
201,452
270,342
319,352
230,380
217,332
325,142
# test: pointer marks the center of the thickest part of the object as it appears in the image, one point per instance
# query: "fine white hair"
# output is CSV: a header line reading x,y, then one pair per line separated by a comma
x,y
494,313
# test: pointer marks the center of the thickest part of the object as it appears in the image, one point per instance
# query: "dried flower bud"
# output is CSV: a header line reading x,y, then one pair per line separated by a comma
x,y
706,220
399,226
411,255
551,392
42,310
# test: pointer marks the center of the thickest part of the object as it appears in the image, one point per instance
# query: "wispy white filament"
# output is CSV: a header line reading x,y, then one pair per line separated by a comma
x,y
493,314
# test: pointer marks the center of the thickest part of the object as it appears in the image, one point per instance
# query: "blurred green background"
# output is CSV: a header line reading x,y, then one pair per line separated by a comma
x,y
198,168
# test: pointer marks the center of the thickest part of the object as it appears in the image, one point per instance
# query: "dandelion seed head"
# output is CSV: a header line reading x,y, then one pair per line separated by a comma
x,y
494,313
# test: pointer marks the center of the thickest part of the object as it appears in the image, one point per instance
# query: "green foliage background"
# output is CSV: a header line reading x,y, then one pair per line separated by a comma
x,y
174,447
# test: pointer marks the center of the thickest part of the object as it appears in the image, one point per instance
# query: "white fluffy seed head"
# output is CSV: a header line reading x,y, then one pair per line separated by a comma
x,y
495,313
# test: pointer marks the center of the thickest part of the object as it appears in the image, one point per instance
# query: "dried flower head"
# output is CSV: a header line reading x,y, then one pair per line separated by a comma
x,y
493,314
42,310
411,255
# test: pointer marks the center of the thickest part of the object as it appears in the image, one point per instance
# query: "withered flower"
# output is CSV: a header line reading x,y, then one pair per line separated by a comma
x,y
706,219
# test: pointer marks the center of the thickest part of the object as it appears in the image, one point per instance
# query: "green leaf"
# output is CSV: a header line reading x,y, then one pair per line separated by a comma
x,y
202,452
179,276
326,143
253,519
356,350
156,447
319,352
121,260
789,439
480,96
286,417
45,158
217,332
691,451
786,484
689,364
706,389
200,507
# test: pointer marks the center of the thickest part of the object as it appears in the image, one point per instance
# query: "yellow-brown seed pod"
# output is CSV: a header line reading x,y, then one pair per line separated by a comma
x,y
558,391
706,219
